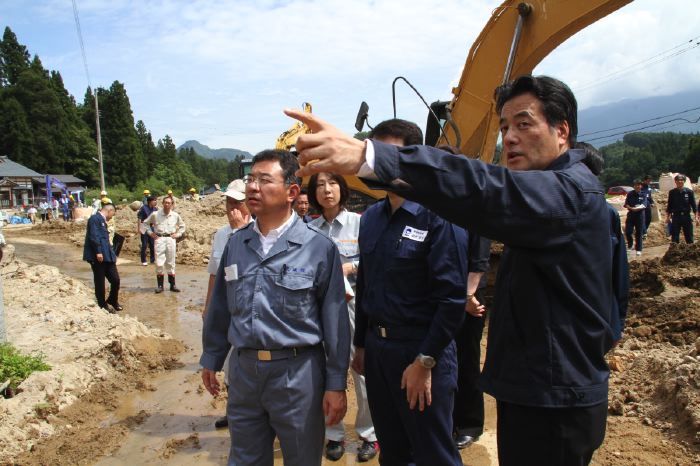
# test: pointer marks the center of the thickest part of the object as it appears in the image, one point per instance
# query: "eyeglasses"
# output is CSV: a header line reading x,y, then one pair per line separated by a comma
x,y
262,181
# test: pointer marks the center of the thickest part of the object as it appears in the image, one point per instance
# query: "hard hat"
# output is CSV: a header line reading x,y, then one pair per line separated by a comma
x,y
192,190
103,193
146,191
170,191
236,190
105,201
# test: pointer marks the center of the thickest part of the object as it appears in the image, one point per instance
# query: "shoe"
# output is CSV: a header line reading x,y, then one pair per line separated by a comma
x,y
117,307
108,309
221,423
367,451
159,289
335,450
171,281
144,263
639,253
463,441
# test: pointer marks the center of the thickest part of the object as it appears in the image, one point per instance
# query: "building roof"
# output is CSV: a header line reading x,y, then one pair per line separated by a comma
x,y
10,168
65,179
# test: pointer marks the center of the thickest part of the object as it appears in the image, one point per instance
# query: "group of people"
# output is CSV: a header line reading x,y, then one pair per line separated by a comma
x,y
294,302
681,210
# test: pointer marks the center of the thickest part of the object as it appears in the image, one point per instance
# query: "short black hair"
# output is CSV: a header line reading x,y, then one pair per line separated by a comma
x,y
303,191
636,182
593,159
344,190
150,199
557,100
679,177
405,130
286,160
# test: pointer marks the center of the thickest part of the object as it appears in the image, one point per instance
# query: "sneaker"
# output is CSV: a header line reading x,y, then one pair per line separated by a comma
x,y
639,253
367,451
335,450
144,263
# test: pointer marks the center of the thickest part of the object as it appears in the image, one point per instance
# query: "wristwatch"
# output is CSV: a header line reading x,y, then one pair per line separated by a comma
x,y
426,361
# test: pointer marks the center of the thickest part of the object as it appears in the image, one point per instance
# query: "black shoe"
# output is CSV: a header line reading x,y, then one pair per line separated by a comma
x,y
107,308
171,281
221,423
463,441
174,289
335,450
116,307
159,289
367,451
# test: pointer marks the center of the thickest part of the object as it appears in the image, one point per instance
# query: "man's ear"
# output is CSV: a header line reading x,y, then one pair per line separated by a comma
x,y
563,131
293,191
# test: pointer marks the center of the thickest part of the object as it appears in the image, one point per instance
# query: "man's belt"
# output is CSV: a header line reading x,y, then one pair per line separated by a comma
x,y
164,235
398,332
276,354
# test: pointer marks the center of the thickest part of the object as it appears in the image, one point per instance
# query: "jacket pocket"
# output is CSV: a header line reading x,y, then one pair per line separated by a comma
x,y
294,294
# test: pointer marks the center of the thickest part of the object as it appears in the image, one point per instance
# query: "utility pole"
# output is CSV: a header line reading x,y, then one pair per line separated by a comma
x,y
99,142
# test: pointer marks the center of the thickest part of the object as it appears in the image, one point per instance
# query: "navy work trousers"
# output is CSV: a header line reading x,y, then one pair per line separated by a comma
x,y
634,227
147,242
410,436
100,271
531,435
682,221
468,413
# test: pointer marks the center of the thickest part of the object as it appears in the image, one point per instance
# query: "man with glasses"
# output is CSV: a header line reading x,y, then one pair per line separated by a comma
x,y
279,300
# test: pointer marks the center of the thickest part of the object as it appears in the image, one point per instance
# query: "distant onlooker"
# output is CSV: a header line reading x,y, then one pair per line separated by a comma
x,y
648,202
301,206
31,213
634,203
681,201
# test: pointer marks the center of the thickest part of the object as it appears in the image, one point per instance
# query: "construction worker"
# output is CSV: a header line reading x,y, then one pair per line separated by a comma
x,y
194,196
146,193
146,241
681,201
165,226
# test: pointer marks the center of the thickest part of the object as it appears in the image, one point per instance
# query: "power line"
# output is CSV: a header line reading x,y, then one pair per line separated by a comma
x,y
80,39
683,120
639,122
653,60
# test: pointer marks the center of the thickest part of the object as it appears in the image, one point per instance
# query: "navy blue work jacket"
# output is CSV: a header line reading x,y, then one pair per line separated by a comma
x,y
634,199
412,273
620,275
97,240
550,326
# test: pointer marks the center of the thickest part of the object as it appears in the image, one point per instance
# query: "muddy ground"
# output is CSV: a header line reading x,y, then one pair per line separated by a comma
x,y
139,399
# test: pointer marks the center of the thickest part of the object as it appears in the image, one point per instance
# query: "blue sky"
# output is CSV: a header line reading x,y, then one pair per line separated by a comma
x,y
221,72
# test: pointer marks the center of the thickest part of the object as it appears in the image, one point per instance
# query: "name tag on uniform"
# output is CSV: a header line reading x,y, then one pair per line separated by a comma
x,y
231,272
414,233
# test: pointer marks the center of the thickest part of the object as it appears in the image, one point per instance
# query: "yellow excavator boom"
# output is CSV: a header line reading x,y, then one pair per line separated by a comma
x,y
500,54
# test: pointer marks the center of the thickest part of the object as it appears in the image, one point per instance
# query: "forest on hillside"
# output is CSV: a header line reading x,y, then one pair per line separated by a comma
x,y
44,128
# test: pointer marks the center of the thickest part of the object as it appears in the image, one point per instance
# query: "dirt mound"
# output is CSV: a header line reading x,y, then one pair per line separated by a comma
x,y
202,218
656,369
90,352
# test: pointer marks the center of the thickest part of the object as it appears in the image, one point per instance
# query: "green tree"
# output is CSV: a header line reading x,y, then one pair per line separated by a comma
x,y
148,148
14,58
691,163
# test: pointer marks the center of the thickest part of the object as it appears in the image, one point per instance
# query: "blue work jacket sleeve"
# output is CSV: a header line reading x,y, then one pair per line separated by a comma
x,y
335,321
448,269
215,344
620,276
94,234
479,254
529,209
361,320
693,205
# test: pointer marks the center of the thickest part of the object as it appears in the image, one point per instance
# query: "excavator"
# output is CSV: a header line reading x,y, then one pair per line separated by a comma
x,y
517,37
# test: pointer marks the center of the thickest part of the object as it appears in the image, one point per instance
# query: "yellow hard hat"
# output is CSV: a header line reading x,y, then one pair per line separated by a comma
x,y
192,190
105,201
170,191
146,191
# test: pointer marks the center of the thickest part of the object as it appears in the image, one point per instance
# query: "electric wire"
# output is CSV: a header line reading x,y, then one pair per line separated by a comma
x,y
80,40
639,122
681,120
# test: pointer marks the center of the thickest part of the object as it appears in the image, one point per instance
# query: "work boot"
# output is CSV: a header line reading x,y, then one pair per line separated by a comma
x,y
159,289
335,450
171,280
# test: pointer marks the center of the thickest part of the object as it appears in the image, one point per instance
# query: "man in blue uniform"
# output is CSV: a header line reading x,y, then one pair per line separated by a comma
x,y
411,288
681,201
550,325
99,253
146,241
279,299
634,224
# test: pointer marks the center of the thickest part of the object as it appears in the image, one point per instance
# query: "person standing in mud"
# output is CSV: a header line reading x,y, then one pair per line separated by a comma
x,y
634,224
238,216
411,286
165,226
550,325
99,253
681,201
147,243
279,300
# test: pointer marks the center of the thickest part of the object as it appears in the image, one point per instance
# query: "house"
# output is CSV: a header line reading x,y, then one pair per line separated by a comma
x,y
16,184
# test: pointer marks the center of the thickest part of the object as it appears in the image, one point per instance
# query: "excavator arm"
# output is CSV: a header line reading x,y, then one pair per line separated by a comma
x,y
517,37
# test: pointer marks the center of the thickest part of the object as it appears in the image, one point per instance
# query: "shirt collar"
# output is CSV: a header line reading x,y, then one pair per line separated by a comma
x,y
277,232
567,159
341,218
